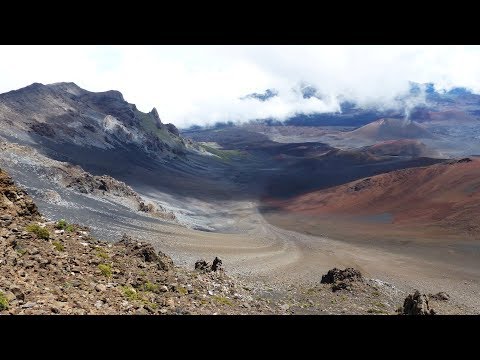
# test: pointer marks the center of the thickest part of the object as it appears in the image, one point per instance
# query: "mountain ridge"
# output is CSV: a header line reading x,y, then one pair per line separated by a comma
x,y
64,112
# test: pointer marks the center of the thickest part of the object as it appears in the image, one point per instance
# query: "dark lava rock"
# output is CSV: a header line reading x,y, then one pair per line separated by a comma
x,y
146,252
201,265
217,264
363,184
164,262
417,304
441,296
204,266
342,285
43,129
464,160
172,129
337,275
341,279
14,201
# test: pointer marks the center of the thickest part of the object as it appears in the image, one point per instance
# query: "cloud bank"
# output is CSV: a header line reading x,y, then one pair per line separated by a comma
x,y
204,84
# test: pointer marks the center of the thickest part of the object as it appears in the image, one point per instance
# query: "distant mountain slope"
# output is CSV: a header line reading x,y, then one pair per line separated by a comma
x,y
446,194
390,129
402,147
66,113
444,116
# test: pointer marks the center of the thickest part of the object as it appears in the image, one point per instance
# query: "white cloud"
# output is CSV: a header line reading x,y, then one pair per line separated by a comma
x,y
203,84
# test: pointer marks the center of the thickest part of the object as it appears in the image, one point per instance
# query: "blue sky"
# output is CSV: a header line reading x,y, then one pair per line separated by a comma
x,y
203,84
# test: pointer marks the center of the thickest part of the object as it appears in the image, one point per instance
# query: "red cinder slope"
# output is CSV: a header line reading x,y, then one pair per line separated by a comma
x,y
446,194
390,129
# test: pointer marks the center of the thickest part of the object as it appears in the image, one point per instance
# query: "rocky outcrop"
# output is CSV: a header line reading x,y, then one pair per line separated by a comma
x,y
86,183
216,264
14,202
417,304
75,178
201,265
341,279
43,129
173,129
146,252
204,266
441,296
156,118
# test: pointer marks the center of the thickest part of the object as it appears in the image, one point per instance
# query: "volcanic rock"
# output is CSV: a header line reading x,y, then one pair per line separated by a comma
x,y
417,304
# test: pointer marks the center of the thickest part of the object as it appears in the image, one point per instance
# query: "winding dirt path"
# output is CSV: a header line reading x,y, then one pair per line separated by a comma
x,y
260,251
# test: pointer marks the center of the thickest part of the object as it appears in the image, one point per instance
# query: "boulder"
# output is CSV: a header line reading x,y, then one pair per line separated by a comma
x,y
204,266
417,304
217,264
341,279
201,265
441,296
14,202
164,261
146,252
334,275
142,250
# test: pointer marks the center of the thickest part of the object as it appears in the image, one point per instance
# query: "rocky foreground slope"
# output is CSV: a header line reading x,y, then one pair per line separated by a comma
x,y
58,268
52,267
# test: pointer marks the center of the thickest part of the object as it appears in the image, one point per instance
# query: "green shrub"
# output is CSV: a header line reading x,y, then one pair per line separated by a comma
x,y
61,224
58,246
376,311
150,286
42,233
106,270
102,253
3,302
64,225
182,290
379,304
130,293
222,300
21,252
150,304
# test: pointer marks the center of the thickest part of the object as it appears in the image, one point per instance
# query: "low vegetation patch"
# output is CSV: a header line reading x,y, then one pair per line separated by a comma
x,y
130,293
150,304
3,302
64,225
102,253
222,300
36,229
106,270
182,290
376,311
58,246
148,286
225,155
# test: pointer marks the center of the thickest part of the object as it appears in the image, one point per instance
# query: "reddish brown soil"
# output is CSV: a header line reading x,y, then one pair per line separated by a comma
x,y
446,196
401,147
387,129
